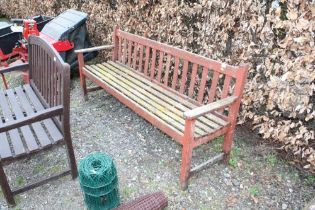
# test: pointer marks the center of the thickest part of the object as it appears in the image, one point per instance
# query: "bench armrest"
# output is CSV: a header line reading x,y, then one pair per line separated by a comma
x,y
38,116
200,111
20,67
103,47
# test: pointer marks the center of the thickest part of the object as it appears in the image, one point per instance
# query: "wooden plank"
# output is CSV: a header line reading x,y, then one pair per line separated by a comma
x,y
199,111
40,182
153,63
184,77
119,48
213,88
129,52
226,86
15,138
175,74
141,89
154,95
26,131
210,117
162,95
135,96
49,124
203,165
146,64
160,68
167,70
38,128
185,55
193,80
155,121
202,87
5,150
141,57
92,49
135,56
124,52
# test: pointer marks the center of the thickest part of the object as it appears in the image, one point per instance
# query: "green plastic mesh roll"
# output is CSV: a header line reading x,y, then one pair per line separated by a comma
x,y
99,182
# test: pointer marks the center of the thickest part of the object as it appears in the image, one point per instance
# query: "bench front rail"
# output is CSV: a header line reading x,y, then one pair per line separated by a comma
x,y
191,98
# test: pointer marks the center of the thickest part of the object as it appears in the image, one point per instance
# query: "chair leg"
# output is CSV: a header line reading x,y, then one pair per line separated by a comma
x,y
6,187
227,144
71,156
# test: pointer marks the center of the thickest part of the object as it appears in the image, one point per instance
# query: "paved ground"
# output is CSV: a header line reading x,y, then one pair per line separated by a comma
x,y
147,160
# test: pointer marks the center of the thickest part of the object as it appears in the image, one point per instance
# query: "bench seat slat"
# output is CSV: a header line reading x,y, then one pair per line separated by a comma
x,y
163,109
38,128
26,131
23,100
5,150
15,138
185,105
155,121
156,96
49,124
140,101
161,105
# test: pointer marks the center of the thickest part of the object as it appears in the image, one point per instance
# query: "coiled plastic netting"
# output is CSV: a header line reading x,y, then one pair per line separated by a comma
x,y
99,182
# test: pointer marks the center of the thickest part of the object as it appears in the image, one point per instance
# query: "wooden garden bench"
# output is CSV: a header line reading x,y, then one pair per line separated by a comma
x,y
175,90
35,116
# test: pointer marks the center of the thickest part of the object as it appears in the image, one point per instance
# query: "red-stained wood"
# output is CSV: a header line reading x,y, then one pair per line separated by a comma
x,y
193,80
167,70
175,74
153,64
140,65
213,87
187,153
124,56
137,82
226,86
119,49
116,43
135,56
184,77
202,85
182,54
146,63
160,68
130,44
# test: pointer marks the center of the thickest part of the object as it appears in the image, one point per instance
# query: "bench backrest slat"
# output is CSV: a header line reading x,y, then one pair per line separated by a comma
x,y
198,77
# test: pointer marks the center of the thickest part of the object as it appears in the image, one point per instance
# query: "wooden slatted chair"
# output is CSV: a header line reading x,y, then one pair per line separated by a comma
x,y
167,87
35,116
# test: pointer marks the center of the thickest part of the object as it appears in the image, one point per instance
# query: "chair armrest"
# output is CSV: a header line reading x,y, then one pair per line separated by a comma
x,y
38,116
200,111
20,67
103,47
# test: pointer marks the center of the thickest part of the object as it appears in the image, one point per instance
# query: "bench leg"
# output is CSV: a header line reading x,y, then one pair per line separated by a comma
x,y
227,144
83,85
185,168
187,153
82,76
6,187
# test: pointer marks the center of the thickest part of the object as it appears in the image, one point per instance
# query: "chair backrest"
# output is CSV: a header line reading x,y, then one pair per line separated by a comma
x,y
49,74
202,79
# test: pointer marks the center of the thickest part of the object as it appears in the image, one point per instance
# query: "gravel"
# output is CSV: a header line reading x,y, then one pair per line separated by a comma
x,y
148,160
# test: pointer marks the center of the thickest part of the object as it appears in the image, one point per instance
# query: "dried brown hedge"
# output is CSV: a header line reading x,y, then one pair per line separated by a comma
x,y
275,37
